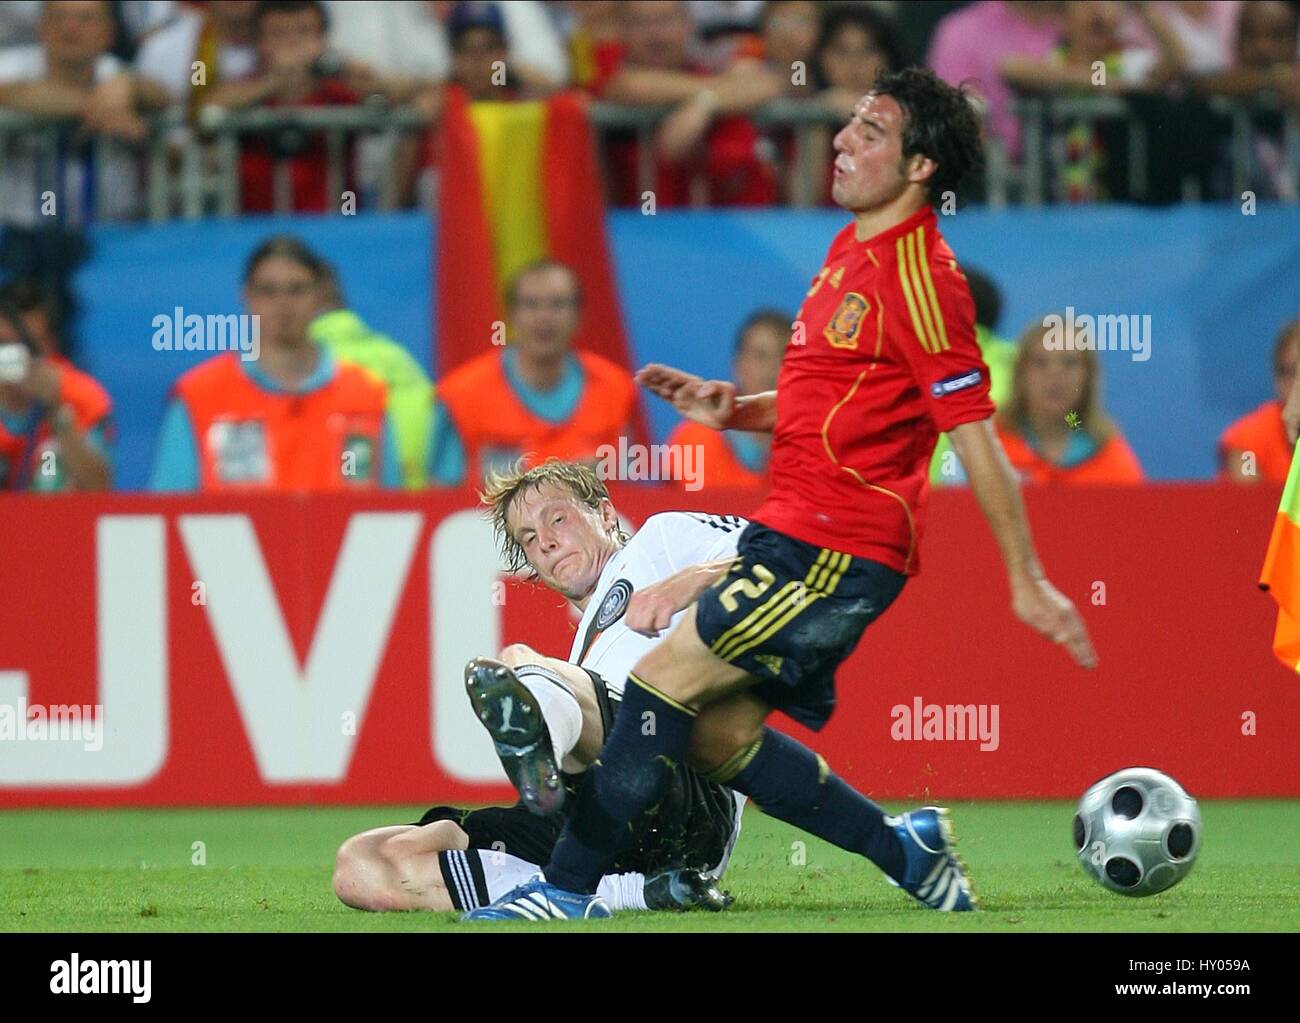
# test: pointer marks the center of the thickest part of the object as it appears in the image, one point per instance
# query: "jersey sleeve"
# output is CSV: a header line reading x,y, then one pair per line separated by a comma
x,y
933,316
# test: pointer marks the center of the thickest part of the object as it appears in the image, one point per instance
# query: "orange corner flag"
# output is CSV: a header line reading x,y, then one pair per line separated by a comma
x,y
1281,573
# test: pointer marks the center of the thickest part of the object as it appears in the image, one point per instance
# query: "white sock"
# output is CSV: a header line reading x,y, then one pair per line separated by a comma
x,y
623,891
559,707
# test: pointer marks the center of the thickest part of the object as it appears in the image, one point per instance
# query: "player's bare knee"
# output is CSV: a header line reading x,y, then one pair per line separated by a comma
x,y
714,742
357,879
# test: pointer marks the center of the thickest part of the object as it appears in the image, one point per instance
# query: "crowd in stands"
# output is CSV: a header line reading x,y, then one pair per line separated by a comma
x,y
709,64
330,404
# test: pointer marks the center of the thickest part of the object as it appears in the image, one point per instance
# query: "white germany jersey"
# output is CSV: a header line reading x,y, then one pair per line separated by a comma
x,y
664,545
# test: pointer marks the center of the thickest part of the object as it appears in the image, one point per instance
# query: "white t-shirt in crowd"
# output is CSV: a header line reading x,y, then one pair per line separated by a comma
x,y
167,57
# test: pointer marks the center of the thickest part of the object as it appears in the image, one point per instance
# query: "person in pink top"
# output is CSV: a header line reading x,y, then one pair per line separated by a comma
x,y
970,45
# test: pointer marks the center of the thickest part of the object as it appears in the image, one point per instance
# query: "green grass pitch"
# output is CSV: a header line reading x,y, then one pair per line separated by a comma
x,y
269,870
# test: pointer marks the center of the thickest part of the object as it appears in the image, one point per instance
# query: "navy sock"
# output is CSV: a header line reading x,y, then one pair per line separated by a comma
x,y
649,739
790,782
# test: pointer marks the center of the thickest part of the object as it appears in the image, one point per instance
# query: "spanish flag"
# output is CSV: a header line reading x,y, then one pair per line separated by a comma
x,y
1281,573
519,182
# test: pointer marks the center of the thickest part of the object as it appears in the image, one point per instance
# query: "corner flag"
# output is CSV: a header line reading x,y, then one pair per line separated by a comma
x,y
1281,573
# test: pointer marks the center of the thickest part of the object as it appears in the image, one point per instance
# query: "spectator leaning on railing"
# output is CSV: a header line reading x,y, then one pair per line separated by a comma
x,y
410,393
1092,36
1256,447
1265,66
855,46
736,458
296,69
706,150
1053,427
56,428
217,36
71,77
293,418
536,397
970,45
788,37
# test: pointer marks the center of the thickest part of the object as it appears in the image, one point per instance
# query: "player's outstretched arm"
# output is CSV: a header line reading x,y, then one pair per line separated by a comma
x,y
714,403
652,607
1035,601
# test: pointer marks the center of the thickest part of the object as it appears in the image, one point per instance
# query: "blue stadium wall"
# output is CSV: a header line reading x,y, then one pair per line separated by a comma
x,y
1216,283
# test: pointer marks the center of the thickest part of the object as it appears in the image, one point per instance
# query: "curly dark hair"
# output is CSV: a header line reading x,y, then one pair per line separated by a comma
x,y
939,122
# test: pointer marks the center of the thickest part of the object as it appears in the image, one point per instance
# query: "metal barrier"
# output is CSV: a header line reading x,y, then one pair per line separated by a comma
x,y
191,169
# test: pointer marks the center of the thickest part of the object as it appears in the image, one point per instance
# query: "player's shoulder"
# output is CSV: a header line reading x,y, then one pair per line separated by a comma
x,y
681,526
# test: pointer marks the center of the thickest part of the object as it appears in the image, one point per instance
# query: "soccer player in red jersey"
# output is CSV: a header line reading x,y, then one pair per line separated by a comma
x,y
883,360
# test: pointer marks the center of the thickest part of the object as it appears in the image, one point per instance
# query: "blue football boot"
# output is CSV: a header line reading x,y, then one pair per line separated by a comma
x,y
538,900
932,873
514,719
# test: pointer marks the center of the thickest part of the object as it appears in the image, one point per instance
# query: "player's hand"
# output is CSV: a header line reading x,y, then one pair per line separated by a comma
x,y
709,402
650,610
1044,608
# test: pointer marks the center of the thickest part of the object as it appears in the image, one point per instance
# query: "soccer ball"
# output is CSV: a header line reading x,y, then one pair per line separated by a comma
x,y
1137,832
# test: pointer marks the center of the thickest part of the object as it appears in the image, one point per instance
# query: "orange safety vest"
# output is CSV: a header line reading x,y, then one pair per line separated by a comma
x,y
496,427
1263,433
720,466
252,439
1113,463
90,405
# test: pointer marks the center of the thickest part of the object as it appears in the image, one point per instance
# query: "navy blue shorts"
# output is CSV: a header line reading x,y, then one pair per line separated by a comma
x,y
789,613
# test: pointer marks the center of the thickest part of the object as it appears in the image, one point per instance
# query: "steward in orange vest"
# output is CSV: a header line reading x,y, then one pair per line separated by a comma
x,y
230,427
1086,461
499,419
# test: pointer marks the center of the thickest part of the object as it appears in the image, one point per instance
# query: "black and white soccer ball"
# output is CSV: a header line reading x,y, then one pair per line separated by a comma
x,y
1137,832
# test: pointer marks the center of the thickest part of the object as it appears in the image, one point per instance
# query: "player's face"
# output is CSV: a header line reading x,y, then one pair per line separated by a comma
x,y
869,167
565,542
1054,382
284,294
545,312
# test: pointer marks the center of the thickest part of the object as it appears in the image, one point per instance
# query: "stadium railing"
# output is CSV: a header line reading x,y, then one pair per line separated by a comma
x,y
191,168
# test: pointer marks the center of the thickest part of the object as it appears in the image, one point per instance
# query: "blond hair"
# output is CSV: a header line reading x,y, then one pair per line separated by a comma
x,y
502,489
1013,415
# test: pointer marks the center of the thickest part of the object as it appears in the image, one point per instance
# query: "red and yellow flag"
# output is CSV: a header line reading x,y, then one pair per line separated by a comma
x,y
1281,573
519,182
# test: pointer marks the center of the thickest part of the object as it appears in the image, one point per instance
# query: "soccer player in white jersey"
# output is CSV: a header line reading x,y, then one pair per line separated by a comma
x,y
548,717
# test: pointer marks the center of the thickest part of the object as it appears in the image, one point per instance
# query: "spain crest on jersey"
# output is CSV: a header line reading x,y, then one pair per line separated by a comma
x,y
846,324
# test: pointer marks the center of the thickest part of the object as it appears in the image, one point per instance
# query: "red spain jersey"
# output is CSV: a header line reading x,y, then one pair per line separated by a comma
x,y
887,362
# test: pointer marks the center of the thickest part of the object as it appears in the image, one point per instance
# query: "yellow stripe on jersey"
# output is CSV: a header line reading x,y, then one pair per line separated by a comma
x,y
918,289
906,282
930,292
